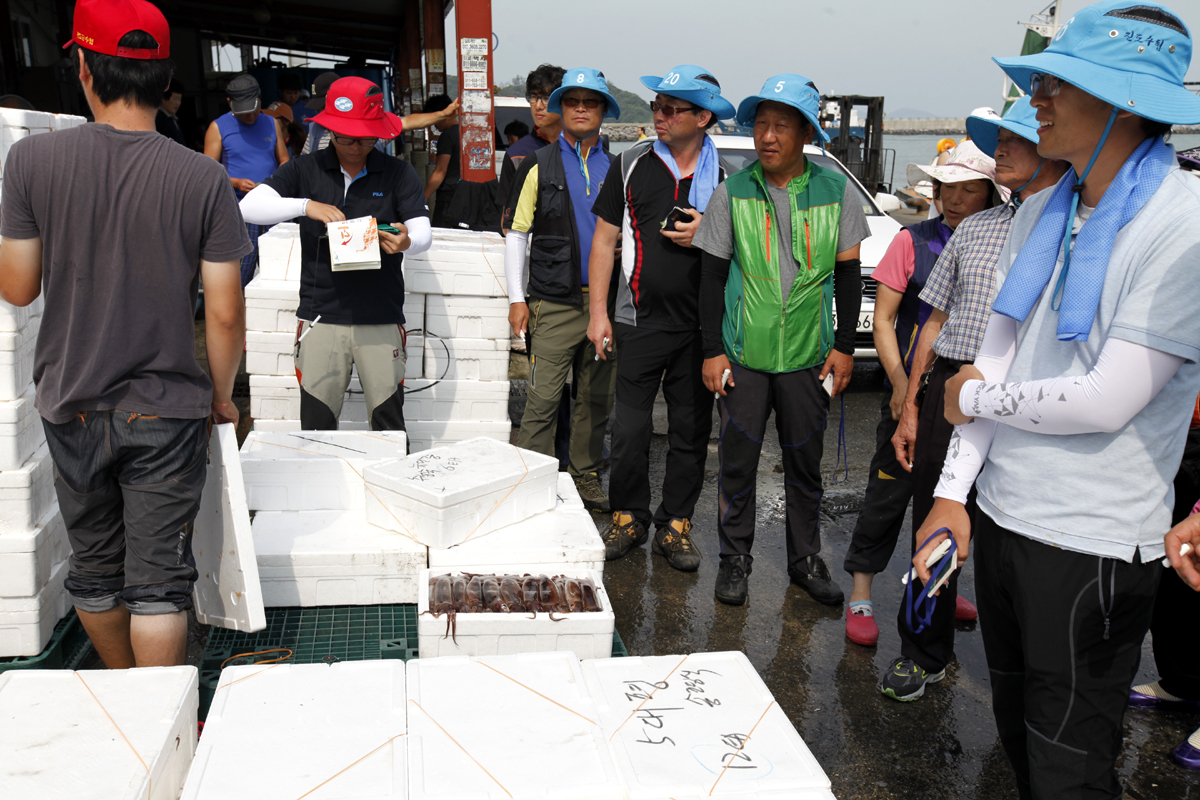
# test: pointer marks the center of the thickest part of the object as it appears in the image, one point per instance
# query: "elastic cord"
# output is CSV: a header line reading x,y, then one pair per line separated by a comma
x,y
918,614
1016,193
587,179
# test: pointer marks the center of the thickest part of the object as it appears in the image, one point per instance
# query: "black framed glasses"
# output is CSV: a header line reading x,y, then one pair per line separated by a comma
x,y
590,103
1050,84
670,111
537,99
347,141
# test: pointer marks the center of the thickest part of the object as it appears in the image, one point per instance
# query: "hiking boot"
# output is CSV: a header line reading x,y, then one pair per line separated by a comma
x,y
674,543
905,681
590,491
964,609
733,579
623,535
813,577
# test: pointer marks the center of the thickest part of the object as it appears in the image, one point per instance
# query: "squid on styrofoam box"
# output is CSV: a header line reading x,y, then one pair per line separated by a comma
x,y
564,537
28,557
338,726
279,253
16,359
710,729
427,434
449,494
313,470
15,318
68,735
270,353
520,726
568,492
271,305
274,397
467,359
21,431
586,634
27,493
467,317
27,622
480,401
333,558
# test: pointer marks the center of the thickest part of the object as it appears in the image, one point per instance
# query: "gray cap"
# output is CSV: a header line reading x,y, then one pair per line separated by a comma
x,y
323,82
244,94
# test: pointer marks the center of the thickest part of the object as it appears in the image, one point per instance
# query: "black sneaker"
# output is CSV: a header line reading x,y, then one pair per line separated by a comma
x,y
623,535
591,492
816,580
905,681
674,543
733,579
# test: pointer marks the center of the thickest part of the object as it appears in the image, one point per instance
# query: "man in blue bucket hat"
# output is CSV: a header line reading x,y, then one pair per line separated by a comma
x,y
652,211
781,243
556,187
1080,397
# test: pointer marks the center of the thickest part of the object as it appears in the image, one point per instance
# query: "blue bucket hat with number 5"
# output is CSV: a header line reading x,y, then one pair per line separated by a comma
x,y
694,84
584,78
796,91
1132,55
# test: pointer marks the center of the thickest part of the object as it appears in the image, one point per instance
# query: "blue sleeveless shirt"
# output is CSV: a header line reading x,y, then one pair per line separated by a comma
x,y
248,151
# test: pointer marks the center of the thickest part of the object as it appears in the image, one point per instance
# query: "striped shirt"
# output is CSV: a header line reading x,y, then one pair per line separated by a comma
x,y
963,281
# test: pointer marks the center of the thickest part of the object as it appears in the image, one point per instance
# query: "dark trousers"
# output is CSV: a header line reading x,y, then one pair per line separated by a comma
x,y
674,360
801,410
1063,634
933,647
889,488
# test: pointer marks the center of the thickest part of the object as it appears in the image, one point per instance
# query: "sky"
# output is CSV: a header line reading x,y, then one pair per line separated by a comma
x,y
918,54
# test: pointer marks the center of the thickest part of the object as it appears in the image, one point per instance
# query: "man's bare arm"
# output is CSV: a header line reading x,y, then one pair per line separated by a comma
x,y
20,270
224,332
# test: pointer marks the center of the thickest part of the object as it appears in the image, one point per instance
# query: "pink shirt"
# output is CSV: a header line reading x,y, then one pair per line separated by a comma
x,y
898,263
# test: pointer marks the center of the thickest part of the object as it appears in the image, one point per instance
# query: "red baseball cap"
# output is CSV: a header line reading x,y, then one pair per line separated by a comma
x,y
354,107
100,24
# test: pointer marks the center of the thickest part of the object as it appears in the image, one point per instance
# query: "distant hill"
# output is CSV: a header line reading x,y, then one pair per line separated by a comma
x,y
909,113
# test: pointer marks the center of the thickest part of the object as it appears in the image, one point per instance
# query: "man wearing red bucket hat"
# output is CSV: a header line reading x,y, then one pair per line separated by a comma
x,y
119,223
356,317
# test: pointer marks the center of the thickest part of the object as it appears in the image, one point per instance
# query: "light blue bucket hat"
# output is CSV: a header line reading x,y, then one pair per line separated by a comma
x,y
1130,54
584,78
1021,119
790,89
694,84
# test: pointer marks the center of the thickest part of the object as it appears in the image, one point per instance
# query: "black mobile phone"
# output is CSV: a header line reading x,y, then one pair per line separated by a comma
x,y
677,215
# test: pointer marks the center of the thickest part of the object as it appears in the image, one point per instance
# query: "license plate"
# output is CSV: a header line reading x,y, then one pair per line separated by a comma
x,y
866,321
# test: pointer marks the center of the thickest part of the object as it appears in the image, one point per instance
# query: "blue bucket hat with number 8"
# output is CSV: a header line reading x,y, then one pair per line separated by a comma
x,y
796,91
694,84
584,78
1132,55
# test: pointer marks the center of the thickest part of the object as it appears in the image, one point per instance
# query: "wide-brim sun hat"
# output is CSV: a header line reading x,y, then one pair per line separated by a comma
x,y
966,163
1131,55
1021,119
693,84
584,78
790,89
354,107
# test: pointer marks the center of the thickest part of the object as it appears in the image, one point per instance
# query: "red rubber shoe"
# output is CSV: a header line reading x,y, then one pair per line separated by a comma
x,y
965,610
861,628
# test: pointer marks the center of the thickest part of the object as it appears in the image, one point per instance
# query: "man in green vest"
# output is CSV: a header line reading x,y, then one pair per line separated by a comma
x,y
780,241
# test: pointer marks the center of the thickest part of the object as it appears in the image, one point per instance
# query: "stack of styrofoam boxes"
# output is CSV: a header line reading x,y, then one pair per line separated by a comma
x,y
464,391
17,124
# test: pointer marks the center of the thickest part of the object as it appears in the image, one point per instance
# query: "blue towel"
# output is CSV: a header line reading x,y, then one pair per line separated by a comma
x,y
1139,178
706,175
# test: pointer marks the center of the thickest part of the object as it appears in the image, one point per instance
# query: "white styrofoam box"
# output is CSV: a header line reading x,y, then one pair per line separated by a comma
x,y
441,236
21,431
414,311
333,558
27,557
564,537
60,739
279,253
22,118
551,746
587,634
15,318
227,593
414,359
27,622
467,317
480,401
313,470
274,397
467,268
445,496
16,359
358,706
271,319
263,293
568,493
27,493
62,122
712,706
276,425
427,434
270,353
467,359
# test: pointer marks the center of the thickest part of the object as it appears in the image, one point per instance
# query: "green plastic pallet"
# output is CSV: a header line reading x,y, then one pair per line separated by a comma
x,y
69,645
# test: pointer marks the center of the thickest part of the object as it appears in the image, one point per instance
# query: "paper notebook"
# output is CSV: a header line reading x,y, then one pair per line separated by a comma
x,y
354,244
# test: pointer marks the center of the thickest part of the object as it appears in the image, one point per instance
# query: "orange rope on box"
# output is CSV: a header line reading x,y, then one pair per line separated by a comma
x,y
535,691
648,698
524,475
149,786
743,744
248,677
486,260
260,653
348,766
460,747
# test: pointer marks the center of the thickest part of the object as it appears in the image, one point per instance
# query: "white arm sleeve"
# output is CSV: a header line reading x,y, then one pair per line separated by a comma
x,y
263,206
420,235
1126,378
516,247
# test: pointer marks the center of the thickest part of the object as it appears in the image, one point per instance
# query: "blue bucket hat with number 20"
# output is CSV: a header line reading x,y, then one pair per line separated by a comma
x,y
796,91
1132,55
584,78
694,84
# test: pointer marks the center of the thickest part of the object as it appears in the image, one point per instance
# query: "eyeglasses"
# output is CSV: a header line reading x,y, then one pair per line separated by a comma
x,y
670,111
1051,84
347,141
537,99
589,103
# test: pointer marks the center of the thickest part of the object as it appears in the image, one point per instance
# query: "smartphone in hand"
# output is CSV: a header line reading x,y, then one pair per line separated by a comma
x,y
676,216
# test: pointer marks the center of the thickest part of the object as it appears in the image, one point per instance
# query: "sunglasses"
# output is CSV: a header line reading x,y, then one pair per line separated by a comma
x,y
1051,84
590,103
670,111
347,141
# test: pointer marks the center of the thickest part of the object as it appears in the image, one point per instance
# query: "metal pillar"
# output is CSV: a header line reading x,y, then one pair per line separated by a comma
x,y
475,84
